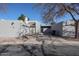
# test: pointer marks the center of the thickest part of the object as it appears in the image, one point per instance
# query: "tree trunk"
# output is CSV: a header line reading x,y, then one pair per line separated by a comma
x,y
76,22
76,29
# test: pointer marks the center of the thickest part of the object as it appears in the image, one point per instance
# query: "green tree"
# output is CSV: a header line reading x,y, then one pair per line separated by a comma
x,y
22,17
51,11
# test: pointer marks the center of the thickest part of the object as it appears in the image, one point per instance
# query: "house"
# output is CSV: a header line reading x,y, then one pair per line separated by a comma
x,y
69,28
33,27
12,28
57,29
45,29
9,28
65,28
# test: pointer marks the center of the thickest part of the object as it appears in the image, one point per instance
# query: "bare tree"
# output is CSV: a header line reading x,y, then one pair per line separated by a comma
x,y
51,11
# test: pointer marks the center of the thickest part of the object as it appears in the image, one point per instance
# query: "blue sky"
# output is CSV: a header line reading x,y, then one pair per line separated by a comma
x,y
14,10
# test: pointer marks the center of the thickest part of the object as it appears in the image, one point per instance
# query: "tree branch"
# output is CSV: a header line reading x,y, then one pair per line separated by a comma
x,y
69,12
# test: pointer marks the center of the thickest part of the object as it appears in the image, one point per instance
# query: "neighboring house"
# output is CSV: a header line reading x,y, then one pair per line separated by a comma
x,y
45,29
69,28
66,28
54,29
57,29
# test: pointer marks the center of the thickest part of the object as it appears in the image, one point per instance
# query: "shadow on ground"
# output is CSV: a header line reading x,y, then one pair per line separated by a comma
x,y
38,50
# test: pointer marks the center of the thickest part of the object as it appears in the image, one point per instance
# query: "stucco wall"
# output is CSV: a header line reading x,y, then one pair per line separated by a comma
x,y
8,30
69,28
58,28
66,28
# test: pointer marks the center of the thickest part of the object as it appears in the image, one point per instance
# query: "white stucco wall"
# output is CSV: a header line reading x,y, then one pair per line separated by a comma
x,y
8,30
65,28
68,29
